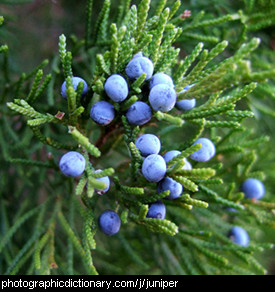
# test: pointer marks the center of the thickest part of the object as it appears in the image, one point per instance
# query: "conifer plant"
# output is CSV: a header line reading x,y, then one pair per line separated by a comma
x,y
133,157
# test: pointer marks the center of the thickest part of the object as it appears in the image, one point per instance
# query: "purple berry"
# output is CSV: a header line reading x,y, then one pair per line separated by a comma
x,y
75,81
253,188
148,144
169,184
139,65
239,236
109,222
154,168
157,210
161,78
139,113
116,88
162,97
102,112
172,153
104,179
206,152
186,104
72,164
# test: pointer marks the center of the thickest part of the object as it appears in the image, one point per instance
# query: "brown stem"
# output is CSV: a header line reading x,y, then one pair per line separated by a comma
x,y
106,132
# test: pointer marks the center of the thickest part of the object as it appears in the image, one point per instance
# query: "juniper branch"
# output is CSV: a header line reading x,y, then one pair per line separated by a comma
x,y
84,141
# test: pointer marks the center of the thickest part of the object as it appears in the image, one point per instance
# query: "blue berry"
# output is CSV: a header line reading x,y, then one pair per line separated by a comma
x,y
154,168
172,153
169,184
139,54
139,65
148,144
162,97
157,210
253,188
102,112
75,81
109,222
72,164
239,236
161,78
232,210
187,165
104,179
116,88
206,152
139,113
186,104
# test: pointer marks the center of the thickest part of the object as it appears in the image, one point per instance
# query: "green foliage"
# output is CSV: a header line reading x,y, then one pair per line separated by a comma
x,y
49,221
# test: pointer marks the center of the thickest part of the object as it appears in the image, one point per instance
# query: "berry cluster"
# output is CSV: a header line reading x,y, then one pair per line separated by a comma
x,y
162,97
154,167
